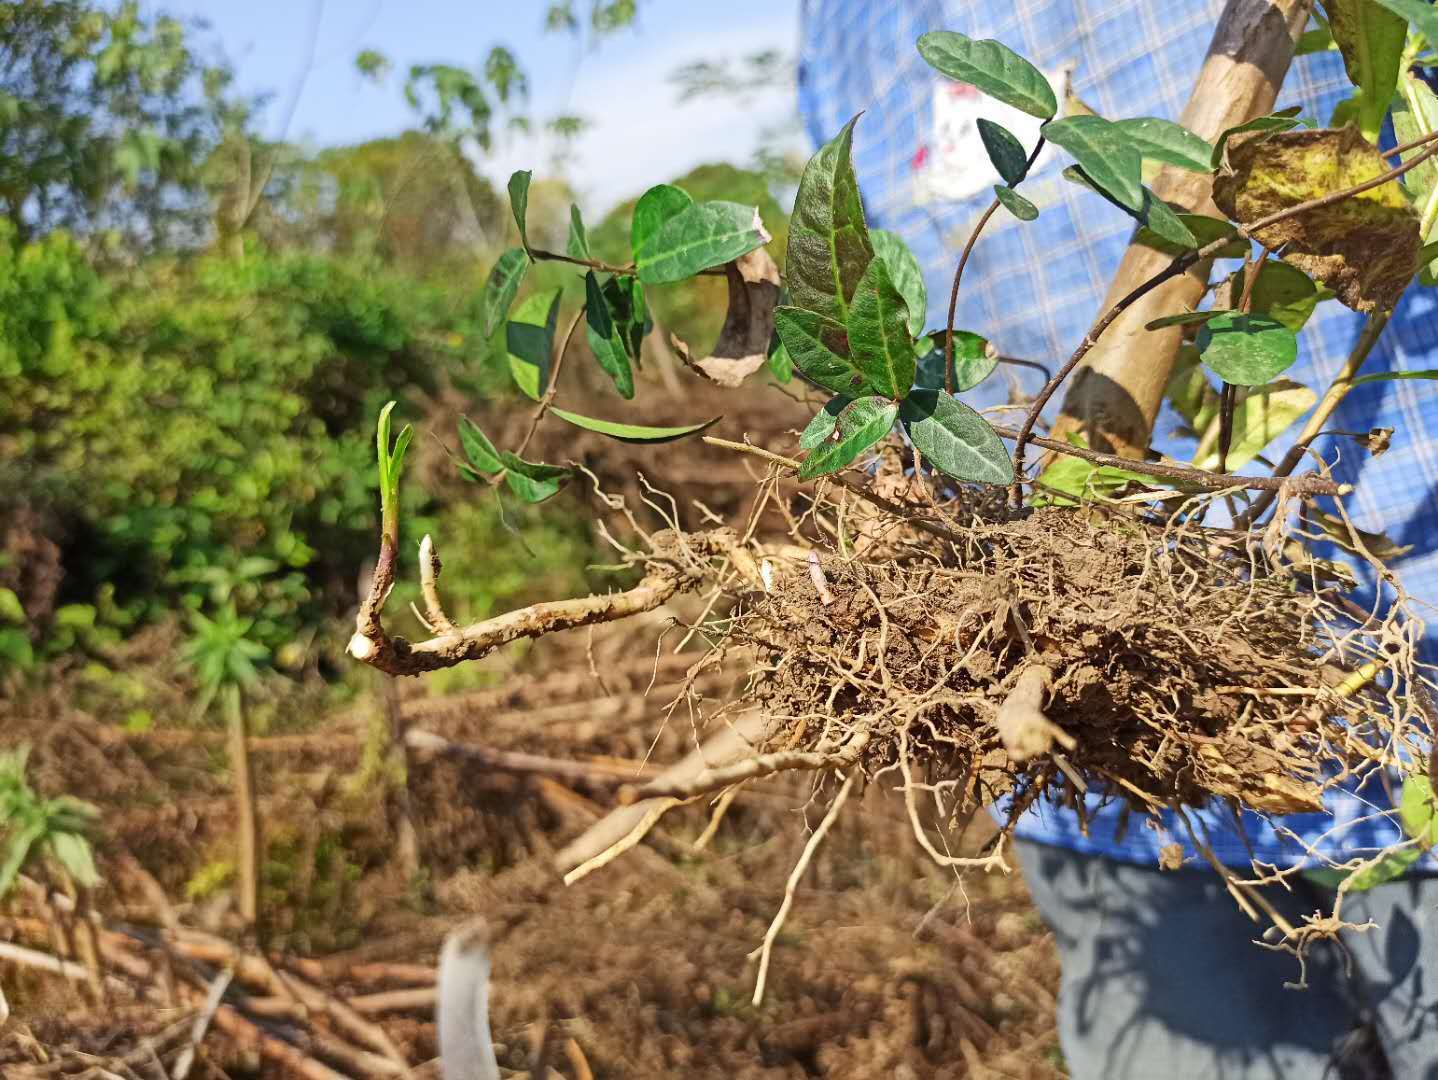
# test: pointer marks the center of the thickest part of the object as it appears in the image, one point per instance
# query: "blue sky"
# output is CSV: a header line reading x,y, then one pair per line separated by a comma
x,y
640,135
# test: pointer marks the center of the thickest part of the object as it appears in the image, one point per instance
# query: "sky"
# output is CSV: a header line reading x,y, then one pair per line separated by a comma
x,y
639,134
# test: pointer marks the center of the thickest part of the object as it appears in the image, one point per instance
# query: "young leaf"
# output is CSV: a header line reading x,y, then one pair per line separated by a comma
x,y
1155,215
1260,416
477,447
577,247
633,433
1005,151
1070,480
1163,140
1371,40
829,245
529,481
1106,154
1015,203
654,208
606,340
1204,230
993,68
955,439
698,237
529,339
1187,318
825,421
1284,120
502,287
819,348
974,361
1247,350
781,364
905,273
879,339
860,425
519,202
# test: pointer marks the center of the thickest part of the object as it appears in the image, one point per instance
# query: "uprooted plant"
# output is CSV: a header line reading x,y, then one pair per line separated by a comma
x,y
1085,630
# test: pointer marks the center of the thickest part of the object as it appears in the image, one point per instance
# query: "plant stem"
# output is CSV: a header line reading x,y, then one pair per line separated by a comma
x,y
959,273
1337,391
248,858
603,267
551,389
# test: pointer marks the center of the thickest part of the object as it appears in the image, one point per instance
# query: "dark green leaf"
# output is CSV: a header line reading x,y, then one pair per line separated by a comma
x,y
1247,350
1284,120
633,433
1163,140
879,339
606,340
1015,203
477,447
974,361
529,338
862,424
519,202
781,365
1005,151
1187,318
993,68
502,287
654,208
1154,216
703,235
906,275
577,246
819,348
829,246
955,439
825,421
529,481
1283,292
1107,155
1204,230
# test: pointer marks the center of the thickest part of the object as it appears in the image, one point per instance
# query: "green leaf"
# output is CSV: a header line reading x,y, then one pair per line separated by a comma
x,y
1283,292
879,339
825,421
1285,120
529,338
1204,230
1247,350
1389,376
73,852
1260,416
1108,157
955,439
829,245
519,202
1317,40
17,853
993,68
1015,203
1187,318
819,348
529,481
862,424
502,287
477,447
1163,140
11,610
1070,480
1415,115
1419,13
654,208
16,648
1154,216
606,340
781,364
1371,41
633,433
906,275
703,235
577,247
1005,151
974,361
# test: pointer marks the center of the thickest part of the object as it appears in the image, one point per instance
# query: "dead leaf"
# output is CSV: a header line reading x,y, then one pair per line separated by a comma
x,y
1379,545
1378,441
743,345
1365,248
1170,857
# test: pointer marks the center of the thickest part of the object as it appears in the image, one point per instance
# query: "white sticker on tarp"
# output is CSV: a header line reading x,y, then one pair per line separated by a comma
x,y
953,164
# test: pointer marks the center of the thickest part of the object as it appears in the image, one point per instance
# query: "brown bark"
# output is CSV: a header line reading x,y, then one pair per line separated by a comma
x,y
1116,392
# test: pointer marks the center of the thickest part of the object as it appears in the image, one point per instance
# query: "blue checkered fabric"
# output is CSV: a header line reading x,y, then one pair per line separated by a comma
x,y
1034,288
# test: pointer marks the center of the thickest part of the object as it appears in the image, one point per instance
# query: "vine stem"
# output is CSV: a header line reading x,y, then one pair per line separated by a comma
x,y
1178,266
959,273
553,386
603,267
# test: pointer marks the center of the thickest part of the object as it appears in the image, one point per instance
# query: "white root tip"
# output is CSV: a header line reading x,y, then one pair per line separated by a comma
x,y
361,647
